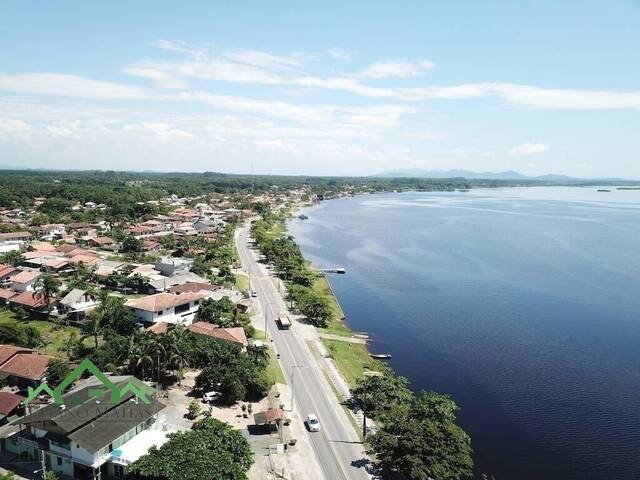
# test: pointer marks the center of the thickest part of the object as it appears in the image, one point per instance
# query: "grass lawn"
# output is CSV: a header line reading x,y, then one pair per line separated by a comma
x,y
242,282
274,372
6,315
352,359
57,338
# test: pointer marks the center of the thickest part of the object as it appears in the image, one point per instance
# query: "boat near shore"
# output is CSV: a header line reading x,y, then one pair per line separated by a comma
x,y
603,190
302,216
380,356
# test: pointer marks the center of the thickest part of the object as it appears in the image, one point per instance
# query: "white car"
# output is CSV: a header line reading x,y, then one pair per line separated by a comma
x,y
254,294
313,424
211,397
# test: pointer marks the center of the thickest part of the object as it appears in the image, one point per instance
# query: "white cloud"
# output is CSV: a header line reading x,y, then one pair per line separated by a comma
x,y
529,149
69,86
394,68
12,125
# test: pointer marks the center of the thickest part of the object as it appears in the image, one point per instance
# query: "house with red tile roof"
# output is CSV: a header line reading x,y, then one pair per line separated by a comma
x,y
230,334
10,404
25,280
34,301
21,366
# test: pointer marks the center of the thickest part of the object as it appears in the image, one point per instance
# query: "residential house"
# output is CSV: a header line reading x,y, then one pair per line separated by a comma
x,y
162,283
32,301
101,242
89,436
167,307
169,265
190,287
52,230
229,334
10,405
22,367
25,280
6,272
6,295
77,303
17,237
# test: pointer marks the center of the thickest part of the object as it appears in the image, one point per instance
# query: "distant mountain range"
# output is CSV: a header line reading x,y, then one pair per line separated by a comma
x,y
507,175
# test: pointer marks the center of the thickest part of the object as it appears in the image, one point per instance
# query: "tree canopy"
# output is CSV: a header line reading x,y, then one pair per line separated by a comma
x,y
421,441
212,450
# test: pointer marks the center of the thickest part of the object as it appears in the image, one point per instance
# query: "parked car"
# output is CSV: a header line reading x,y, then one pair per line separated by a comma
x,y
254,294
211,397
313,424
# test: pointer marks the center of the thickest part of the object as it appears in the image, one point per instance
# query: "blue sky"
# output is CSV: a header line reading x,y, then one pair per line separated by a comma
x,y
345,88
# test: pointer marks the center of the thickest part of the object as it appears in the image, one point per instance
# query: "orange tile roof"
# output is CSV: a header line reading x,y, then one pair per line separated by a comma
x,y
6,294
8,402
25,276
27,365
231,334
30,300
8,351
162,301
158,328
194,287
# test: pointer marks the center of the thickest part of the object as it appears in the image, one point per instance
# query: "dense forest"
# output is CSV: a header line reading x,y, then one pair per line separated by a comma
x,y
19,188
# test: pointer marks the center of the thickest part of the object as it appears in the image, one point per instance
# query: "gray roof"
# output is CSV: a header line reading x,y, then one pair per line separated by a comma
x,y
72,297
92,422
177,279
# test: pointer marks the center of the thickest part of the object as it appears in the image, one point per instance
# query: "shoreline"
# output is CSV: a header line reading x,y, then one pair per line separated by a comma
x,y
345,345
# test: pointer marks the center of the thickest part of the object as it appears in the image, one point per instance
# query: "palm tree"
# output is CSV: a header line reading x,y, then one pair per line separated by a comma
x,y
48,285
93,328
140,353
178,348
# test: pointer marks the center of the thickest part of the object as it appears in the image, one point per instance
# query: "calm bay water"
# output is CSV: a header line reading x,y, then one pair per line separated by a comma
x,y
523,304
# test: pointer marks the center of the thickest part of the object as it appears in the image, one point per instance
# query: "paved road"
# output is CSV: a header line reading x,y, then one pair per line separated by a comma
x,y
338,448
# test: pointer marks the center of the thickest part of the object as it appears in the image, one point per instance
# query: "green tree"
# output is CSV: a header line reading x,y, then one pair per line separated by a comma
x,y
48,286
194,409
379,395
421,441
13,258
131,244
212,450
57,370
316,308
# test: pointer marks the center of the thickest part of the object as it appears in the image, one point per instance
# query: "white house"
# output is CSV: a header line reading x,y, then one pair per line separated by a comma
x,y
25,281
167,307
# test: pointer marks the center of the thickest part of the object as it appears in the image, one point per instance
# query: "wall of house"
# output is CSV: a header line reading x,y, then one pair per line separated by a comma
x,y
59,464
169,315
23,287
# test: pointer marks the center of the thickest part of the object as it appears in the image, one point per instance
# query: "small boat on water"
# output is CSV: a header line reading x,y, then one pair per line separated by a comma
x,y
603,190
302,216
380,356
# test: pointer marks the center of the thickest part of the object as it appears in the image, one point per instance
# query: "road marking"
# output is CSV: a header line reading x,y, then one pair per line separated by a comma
x,y
267,308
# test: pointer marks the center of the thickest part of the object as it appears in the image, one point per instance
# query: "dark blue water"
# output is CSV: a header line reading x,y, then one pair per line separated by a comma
x,y
523,304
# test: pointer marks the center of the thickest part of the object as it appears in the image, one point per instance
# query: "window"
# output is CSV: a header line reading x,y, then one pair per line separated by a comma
x,y
182,308
59,460
118,471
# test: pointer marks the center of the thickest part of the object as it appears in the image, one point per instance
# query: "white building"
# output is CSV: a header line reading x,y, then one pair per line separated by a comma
x,y
25,281
167,307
